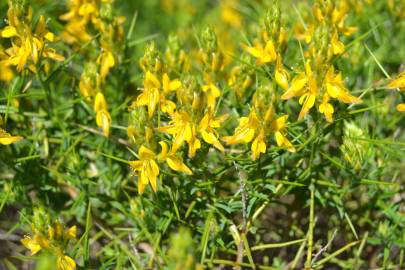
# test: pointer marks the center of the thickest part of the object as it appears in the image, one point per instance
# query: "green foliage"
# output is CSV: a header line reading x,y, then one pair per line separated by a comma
x,y
336,203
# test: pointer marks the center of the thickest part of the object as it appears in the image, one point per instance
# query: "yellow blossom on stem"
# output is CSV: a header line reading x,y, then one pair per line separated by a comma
x,y
266,54
281,74
305,86
103,118
152,96
146,168
6,138
26,43
81,13
336,89
64,262
183,130
245,131
212,92
106,61
170,85
401,107
256,128
337,46
398,82
229,14
53,239
326,108
31,244
172,159
207,128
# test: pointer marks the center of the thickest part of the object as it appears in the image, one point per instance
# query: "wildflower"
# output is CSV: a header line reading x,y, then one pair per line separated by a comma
x,y
281,74
336,89
152,96
264,55
306,87
170,85
326,108
401,107
65,263
212,92
106,61
27,44
398,83
80,14
229,14
53,239
183,130
337,46
103,118
256,128
207,127
172,159
6,138
147,169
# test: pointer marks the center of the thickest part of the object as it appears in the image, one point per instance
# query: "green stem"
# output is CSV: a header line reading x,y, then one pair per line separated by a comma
x,y
48,94
311,227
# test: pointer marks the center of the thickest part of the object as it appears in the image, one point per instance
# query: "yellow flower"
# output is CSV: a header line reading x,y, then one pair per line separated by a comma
x,y
106,61
183,130
336,89
169,85
304,85
27,44
172,159
278,126
229,14
245,131
146,168
398,82
264,55
401,107
255,128
326,108
258,146
212,92
151,95
6,138
31,244
207,127
54,239
337,46
71,232
103,118
281,74
81,13
64,262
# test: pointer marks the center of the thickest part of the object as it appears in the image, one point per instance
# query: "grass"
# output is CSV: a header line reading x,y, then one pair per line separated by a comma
x,y
335,203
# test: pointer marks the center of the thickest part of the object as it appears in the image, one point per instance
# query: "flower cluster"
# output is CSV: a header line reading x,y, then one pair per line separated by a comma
x,y
319,81
87,21
29,42
52,237
398,83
